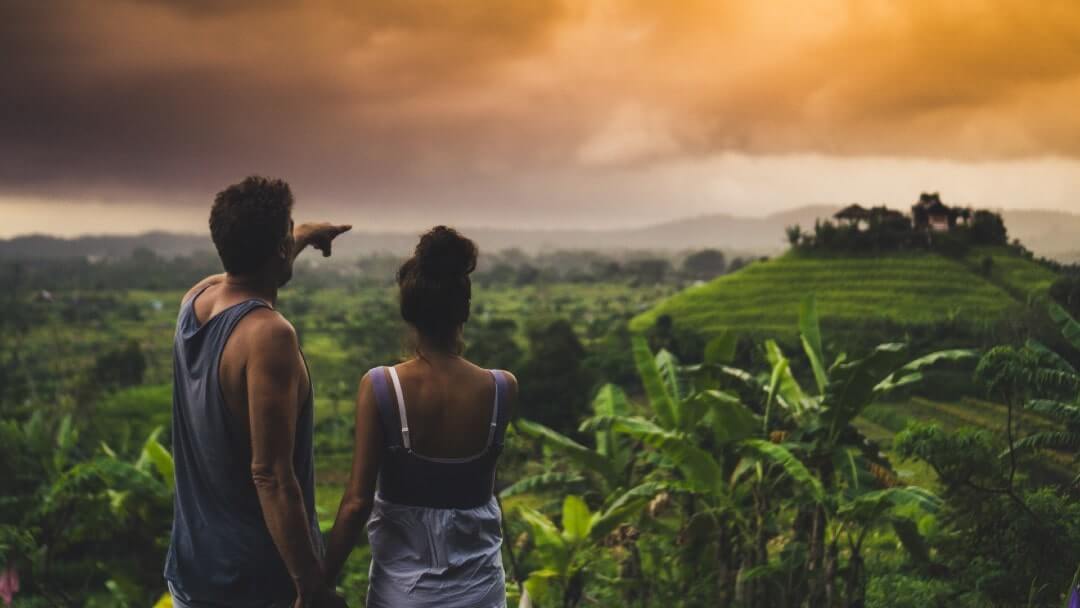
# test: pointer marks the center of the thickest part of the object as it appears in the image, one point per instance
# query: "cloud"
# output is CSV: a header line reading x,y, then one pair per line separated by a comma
x,y
118,94
459,102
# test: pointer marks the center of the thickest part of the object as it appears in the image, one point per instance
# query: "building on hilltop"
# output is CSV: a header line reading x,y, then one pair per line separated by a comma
x,y
929,213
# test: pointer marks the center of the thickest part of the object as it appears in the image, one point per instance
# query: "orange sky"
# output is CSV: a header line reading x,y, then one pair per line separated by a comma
x,y
127,115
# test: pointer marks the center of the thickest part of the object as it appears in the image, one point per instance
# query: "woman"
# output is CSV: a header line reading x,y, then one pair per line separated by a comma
x,y
430,431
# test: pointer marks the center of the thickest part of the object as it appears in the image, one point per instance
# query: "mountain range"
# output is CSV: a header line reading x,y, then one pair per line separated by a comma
x,y
1053,234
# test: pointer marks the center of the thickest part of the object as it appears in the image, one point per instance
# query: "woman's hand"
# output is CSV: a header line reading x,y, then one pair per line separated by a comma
x,y
324,598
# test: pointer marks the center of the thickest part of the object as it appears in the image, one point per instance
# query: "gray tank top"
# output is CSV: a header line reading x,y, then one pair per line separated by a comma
x,y
221,552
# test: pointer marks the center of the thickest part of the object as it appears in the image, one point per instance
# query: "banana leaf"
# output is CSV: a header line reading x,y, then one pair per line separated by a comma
x,y
659,398
810,334
780,456
544,481
699,468
577,453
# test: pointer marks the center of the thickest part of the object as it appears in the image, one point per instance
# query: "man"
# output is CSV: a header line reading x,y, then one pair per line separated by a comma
x,y
245,532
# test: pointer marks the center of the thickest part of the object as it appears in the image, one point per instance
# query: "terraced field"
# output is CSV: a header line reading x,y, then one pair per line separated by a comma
x,y
881,421
908,289
1017,275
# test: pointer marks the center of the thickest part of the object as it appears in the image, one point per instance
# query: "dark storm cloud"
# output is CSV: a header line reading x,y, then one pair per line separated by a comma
x,y
186,96
458,101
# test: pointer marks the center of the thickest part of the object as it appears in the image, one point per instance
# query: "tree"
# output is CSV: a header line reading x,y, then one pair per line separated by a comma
x,y
1056,392
1065,290
704,265
988,502
794,235
555,385
491,344
648,270
988,228
120,367
1001,546
527,274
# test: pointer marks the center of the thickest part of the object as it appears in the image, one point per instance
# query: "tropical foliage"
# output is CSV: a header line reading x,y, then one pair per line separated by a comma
x,y
72,521
673,465
762,491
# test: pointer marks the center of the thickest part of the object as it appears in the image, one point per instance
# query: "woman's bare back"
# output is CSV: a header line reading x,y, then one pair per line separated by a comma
x,y
448,405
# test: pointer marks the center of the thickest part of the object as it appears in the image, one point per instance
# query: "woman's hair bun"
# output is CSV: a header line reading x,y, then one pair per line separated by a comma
x,y
442,252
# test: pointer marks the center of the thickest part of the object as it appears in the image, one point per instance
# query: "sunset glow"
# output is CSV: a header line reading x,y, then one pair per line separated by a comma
x,y
513,113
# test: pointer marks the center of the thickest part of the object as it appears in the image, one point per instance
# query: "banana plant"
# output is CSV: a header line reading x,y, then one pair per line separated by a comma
x,y
818,424
846,387
603,469
898,507
562,551
688,405
710,449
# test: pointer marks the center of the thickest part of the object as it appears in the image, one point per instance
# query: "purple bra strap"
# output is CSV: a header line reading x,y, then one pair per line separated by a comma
x,y
503,414
388,415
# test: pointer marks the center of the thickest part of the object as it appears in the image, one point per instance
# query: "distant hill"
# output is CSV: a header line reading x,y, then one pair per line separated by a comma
x,y
163,243
1054,234
1048,233
909,289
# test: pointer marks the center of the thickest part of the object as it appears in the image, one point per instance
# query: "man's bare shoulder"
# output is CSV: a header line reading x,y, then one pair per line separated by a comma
x,y
268,340
266,328
213,279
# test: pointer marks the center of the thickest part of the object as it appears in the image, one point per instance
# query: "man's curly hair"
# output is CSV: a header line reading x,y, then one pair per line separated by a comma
x,y
249,221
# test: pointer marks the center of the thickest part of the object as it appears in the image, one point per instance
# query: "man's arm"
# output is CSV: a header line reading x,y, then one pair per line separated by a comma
x,y
273,386
319,235
357,501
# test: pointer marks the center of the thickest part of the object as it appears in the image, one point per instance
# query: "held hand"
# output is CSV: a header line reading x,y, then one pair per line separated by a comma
x,y
324,598
319,235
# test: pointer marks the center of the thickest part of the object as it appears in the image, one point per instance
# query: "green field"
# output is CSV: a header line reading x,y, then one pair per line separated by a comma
x,y
62,373
906,289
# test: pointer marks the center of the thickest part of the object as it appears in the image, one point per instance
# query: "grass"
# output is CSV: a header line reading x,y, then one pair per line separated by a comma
x,y
907,289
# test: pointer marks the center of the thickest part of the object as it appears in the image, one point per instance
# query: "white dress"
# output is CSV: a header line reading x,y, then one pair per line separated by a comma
x,y
424,557
434,557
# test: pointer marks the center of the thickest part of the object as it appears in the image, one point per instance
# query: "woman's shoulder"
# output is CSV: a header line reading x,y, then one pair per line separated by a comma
x,y
511,379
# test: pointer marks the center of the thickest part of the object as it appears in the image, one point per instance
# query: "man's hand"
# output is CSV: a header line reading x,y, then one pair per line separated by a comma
x,y
324,598
319,235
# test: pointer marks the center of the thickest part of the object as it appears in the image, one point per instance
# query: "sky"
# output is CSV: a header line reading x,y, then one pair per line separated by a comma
x,y
118,116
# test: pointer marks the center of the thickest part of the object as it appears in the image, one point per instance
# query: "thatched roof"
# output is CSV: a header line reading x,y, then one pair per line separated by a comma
x,y
931,204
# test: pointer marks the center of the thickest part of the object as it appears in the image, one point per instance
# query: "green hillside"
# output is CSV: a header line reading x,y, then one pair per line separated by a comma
x,y
908,289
